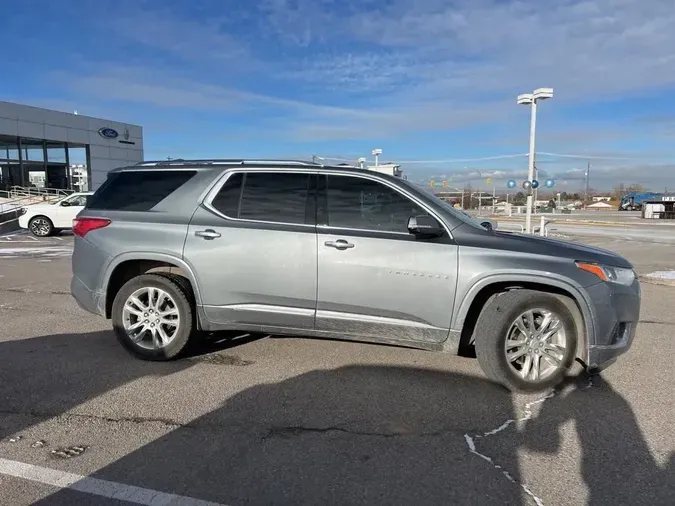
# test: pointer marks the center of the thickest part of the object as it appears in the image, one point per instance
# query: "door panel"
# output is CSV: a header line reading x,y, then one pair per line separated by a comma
x,y
375,279
253,249
253,275
385,288
66,215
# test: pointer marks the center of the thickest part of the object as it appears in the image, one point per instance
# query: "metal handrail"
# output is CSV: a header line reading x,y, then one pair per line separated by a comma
x,y
39,191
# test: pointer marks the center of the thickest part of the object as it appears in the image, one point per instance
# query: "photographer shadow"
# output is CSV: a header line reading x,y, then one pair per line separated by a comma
x,y
617,465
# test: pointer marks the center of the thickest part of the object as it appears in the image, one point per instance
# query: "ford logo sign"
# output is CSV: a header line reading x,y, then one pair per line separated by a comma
x,y
108,133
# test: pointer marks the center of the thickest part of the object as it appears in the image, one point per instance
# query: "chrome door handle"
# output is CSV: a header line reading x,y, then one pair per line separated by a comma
x,y
339,244
207,234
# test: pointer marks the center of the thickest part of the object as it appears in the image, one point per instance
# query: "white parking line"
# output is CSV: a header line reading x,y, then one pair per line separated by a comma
x,y
95,486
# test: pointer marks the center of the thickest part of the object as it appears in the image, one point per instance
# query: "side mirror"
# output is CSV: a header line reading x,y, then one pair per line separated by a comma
x,y
424,226
487,225
65,204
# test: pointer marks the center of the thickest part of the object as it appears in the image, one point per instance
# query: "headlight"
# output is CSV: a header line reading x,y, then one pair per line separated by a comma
x,y
610,274
22,211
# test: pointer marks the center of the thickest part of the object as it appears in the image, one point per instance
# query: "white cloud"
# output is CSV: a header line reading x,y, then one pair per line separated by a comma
x,y
402,67
470,48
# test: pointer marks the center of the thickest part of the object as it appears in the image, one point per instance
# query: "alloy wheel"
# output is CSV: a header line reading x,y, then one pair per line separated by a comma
x,y
151,318
536,344
40,227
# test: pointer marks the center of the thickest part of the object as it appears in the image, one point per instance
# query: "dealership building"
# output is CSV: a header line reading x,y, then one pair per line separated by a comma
x,y
50,149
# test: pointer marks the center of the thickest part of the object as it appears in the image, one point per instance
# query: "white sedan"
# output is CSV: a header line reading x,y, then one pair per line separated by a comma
x,y
46,219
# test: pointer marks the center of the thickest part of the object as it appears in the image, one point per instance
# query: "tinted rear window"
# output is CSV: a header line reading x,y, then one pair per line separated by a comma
x,y
265,196
138,190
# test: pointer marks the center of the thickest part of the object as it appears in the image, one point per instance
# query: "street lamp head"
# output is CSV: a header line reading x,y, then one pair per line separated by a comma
x,y
525,99
377,152
543,93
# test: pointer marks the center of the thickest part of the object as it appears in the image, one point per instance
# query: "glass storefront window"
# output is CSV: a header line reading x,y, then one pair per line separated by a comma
x,y
9,148
40,163
32,150
56,152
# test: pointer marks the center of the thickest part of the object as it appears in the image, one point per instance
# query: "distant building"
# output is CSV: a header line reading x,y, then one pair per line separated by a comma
x,y
40,147
387,168
601,206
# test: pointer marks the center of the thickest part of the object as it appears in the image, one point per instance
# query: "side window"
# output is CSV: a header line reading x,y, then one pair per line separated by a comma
x,y
264,196
359,203
227,200
138,190
79,200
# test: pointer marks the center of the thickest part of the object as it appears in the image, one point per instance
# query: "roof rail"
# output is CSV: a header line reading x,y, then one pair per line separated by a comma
x,y
237,161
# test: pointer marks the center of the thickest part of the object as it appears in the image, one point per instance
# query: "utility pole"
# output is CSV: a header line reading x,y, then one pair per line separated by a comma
x,y
588,172
494,198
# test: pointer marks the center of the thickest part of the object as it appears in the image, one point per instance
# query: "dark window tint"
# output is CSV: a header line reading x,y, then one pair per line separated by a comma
x,y
368,205
227,200
138,190
280,198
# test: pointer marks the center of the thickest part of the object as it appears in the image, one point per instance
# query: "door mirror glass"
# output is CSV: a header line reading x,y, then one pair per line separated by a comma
x,y
487,225
424,226
65,203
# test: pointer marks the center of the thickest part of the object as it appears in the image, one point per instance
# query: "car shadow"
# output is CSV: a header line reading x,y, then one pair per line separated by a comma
x,y
44,377
359,434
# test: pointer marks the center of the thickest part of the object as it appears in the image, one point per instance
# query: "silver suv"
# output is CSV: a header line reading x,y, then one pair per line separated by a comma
x,y
169,250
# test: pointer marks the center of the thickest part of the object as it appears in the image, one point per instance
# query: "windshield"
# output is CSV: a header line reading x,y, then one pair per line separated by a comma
x,y
458,213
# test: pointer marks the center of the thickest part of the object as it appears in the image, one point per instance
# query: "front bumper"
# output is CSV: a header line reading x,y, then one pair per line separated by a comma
x,y
616,311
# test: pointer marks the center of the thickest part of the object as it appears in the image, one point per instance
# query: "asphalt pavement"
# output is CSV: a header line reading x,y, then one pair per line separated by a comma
x,y
253,419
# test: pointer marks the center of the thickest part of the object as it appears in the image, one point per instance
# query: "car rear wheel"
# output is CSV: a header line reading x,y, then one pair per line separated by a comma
x,y
41,226
526,340
153,317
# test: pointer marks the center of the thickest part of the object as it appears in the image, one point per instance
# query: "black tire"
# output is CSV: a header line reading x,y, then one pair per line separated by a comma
x,y
46,228
491,332
181,294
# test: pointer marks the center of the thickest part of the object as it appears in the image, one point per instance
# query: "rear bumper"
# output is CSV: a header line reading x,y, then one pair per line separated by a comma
x,y
616,309
86,298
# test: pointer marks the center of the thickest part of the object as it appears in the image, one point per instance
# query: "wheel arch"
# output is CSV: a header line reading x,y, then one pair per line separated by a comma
x,y
130,265
40,215
471,307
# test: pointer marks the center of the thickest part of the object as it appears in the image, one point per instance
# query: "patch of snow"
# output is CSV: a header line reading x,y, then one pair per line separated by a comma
x,y
49,251
662,275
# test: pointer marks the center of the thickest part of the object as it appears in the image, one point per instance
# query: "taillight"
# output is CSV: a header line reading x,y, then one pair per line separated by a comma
x,y
82,226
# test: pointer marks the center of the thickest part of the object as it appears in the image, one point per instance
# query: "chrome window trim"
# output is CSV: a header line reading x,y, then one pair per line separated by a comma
x,y
220,182
328,228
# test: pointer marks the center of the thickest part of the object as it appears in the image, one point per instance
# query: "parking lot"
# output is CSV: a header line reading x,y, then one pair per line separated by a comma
x,y
253,419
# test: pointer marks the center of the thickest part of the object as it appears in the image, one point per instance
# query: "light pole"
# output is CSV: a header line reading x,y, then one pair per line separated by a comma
x,y
376,154
531,99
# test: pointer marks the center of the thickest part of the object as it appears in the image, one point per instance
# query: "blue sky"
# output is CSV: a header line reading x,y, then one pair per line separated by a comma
x,y
428,81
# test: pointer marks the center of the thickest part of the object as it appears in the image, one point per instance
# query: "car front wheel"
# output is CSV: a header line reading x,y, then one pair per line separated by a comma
x,y
153,317
41,226
526,340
